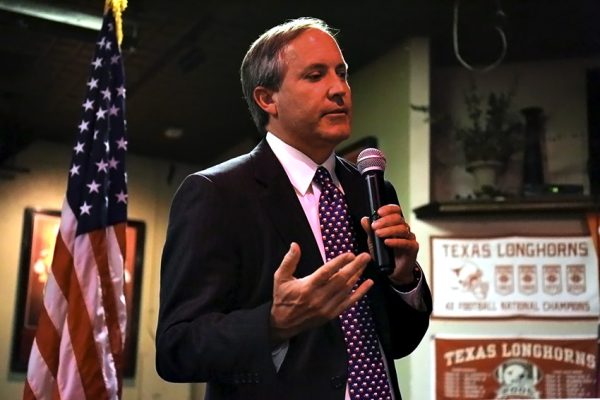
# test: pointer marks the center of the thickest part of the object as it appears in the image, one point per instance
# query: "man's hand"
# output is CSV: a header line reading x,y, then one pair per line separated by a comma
x,y
302,303
396,233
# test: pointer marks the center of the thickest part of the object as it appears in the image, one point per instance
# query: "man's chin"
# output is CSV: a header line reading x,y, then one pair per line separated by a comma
x,y
336,138
338,132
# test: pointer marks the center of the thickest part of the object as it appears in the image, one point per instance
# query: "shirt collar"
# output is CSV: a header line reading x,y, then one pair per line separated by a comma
x,y
299,168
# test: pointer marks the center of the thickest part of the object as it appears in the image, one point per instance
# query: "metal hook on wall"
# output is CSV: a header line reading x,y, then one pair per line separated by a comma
x,y
499,13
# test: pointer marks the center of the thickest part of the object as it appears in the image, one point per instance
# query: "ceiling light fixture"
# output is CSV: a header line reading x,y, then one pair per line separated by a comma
x,y
52,13
173,133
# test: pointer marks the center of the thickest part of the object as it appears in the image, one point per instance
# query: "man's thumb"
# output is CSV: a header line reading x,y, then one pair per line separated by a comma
x,y
366,224
289,263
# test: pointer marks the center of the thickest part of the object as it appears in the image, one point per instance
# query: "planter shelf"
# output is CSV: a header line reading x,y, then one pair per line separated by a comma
x,y
556,206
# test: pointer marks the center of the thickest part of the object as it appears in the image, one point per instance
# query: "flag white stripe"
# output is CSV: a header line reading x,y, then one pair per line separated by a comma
x,y
68,379
109,372
116,264
86,270
55,303
68,226
41,384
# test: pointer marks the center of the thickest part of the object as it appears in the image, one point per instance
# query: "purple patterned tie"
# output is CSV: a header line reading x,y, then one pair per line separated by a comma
x,y
367,378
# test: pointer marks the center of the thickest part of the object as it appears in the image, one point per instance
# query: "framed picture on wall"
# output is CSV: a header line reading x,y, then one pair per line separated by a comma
x,y
40,228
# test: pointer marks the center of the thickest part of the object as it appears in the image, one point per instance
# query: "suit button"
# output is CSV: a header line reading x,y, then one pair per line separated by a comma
x,y
338,382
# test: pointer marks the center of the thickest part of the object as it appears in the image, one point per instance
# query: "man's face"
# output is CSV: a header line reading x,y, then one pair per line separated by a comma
x,y
313,106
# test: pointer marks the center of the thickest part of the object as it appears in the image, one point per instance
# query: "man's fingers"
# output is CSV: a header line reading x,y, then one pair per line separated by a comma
x,y
360,291
322,275
390,209
392,224
338,288
397,232
339,301
352,279
352,298
288,264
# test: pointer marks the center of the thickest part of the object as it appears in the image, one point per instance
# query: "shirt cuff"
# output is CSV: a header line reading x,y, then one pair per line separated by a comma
x,y
409,287
412,293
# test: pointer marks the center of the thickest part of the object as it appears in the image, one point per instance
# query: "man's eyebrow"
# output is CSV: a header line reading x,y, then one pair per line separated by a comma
x,y
314,66
321,66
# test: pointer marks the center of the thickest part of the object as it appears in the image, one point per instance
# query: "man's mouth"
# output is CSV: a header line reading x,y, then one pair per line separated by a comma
x,y
336,112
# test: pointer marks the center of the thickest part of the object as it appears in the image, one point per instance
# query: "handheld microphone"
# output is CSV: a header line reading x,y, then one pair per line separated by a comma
x,y
371,164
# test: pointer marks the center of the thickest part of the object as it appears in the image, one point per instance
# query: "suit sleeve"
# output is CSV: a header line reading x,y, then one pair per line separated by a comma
x,y
407,325
203,334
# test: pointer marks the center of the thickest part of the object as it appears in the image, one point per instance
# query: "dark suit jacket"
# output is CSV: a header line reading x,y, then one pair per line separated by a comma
x,y
229,229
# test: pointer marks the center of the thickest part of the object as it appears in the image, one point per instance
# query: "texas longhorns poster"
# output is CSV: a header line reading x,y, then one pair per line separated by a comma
x,y
515,276
527,367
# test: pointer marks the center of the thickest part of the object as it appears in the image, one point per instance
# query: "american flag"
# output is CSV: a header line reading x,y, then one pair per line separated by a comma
x,y
77,351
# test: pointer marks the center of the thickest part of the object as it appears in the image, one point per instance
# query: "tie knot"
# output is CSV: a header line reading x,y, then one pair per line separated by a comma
x,y
322,177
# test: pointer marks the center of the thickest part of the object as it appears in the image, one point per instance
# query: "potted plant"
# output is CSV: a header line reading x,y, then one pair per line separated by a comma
x,y
490,137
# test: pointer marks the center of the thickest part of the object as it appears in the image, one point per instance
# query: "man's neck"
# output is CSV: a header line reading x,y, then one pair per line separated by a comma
x,y
315,153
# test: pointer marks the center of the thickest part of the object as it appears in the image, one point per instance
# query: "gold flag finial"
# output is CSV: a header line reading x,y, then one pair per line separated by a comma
x,y
117,6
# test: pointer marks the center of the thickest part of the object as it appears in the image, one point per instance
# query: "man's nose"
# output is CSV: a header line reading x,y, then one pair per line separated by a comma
x,y
338,90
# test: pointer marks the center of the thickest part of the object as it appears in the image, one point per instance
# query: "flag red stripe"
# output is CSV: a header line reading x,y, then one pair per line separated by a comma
x,y
27,393
84,345
120,231
47,340
48,335
80,327
62,265
101,249
99,245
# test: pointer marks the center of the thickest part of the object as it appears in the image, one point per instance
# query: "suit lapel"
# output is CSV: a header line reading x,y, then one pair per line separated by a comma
x,y
280,202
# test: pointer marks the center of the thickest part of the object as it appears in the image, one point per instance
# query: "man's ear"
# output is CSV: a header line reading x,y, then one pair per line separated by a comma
x,y
265,99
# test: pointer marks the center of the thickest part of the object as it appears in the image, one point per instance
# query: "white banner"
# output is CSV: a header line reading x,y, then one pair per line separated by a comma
x,y
539,277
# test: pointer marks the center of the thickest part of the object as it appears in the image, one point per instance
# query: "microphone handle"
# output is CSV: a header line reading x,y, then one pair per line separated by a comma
x,y
383,258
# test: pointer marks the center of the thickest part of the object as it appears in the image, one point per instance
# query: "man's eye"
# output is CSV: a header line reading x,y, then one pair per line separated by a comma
x,y
314,76
343,74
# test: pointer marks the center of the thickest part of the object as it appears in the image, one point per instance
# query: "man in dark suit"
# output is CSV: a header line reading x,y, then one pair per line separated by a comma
x,y
252,300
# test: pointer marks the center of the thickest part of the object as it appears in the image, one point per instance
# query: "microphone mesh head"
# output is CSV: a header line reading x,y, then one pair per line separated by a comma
x,y
370,159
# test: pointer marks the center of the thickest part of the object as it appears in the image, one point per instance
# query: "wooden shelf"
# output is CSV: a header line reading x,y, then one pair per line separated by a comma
x,y
550,205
